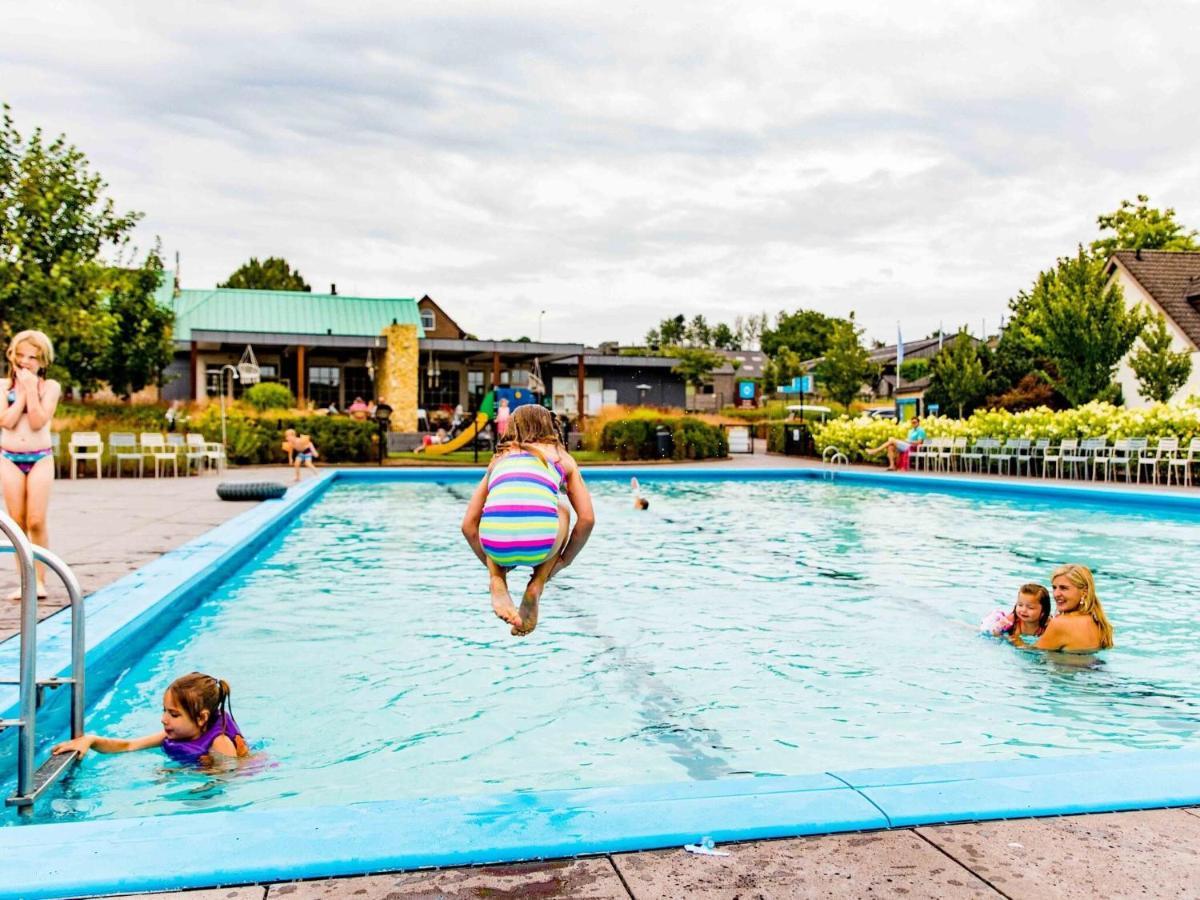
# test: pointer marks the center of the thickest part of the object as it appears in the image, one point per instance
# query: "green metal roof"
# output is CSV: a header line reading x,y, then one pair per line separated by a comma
x,y
286,312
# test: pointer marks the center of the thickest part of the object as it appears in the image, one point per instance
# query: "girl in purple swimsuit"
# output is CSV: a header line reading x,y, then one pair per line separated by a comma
x,y
196,720
27,404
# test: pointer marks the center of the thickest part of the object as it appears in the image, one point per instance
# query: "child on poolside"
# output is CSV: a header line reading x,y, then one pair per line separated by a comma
x,y
196,724
516,516
1027,619
27,404
300,450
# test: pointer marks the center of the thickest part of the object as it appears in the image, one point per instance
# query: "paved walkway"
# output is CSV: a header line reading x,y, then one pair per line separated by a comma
x,y
105,529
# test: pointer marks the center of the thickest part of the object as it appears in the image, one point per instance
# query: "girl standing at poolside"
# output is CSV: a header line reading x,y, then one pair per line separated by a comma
x,y
516,516
196,724
1080,625
27,404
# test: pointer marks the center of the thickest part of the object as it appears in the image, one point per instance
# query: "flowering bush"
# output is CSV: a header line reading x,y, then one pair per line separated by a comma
x,y
1093,420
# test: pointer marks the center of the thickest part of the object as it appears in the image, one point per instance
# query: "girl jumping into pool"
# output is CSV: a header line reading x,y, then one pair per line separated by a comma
x,y
197,724
517,517
27,404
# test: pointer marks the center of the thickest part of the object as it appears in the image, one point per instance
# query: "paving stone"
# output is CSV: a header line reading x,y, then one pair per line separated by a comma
x,y
586,879
877,864
1133,854
251,892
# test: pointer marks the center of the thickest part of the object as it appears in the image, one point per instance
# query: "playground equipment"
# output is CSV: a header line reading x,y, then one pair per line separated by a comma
x,y
469,432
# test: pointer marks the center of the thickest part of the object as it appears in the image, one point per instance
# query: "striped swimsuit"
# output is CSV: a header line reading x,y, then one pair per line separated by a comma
x,y
520,516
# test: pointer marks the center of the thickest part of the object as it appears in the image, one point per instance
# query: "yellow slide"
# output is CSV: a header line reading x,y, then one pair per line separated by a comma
x,y
459,440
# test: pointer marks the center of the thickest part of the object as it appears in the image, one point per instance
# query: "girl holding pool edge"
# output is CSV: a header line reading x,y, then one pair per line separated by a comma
x,y
516,515
197,723
27,404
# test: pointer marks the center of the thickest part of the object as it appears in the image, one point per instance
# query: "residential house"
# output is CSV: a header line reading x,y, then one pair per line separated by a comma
x,y
1165,282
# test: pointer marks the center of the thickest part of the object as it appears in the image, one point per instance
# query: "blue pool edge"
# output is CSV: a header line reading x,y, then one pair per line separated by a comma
x,y
109,856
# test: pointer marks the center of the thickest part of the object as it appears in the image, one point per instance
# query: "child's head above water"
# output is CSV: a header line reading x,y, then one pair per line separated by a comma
x,y
1033,606
192,704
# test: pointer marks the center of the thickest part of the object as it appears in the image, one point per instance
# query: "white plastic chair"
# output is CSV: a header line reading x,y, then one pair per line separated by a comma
x,y
123,447
195,452
154,446
214,453
1055,456
1166,450
1116,455
1191,458
85,446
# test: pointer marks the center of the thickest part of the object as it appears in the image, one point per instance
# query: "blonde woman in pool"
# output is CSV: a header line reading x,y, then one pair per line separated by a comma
x,y
1079,625
27,403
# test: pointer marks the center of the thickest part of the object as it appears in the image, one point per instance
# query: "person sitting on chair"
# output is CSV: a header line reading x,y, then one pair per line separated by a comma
x,y
895,446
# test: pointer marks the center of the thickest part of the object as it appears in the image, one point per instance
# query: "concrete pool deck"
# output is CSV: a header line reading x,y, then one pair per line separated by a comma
x,y
108,528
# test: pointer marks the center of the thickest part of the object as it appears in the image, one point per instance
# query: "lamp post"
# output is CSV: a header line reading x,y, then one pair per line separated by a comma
x,y
540,315
643,390
383,416
233,371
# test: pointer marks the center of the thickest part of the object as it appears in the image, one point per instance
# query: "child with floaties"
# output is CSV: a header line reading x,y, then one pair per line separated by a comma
x,y
197,724
300,450
517,515
1027,619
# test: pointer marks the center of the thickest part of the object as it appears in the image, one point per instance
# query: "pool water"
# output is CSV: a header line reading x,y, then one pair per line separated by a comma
x,y
734,628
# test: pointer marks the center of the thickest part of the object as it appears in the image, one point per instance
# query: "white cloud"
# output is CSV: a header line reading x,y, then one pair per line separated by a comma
x,y
614,166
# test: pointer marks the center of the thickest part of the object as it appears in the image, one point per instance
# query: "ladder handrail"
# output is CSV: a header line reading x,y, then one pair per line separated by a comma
x,y
26,722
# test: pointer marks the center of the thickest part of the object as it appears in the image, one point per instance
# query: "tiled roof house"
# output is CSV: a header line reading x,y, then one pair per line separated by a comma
x,y
1166,282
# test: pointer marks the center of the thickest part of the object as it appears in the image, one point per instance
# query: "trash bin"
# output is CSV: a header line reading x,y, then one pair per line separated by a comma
x,y
665,442
798,440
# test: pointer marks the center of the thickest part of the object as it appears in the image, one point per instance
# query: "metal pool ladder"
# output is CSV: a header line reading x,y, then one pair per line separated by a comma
x,y
832,457
31,783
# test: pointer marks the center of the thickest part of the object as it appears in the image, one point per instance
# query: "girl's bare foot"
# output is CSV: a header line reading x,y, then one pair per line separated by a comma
x,y
502,604
529,608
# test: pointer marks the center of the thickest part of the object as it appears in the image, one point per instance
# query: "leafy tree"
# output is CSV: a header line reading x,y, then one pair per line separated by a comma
x,y
958,376
725,338
695,364
806,331
914,369
1141,227
749,331
1080,323
1160,370
846,364
780,369
55,223
140,347
272,274
269,395
698,332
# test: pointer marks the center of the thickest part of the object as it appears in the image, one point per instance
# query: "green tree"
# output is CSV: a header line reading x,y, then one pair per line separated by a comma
x,y
272,274
1080,323
914,369
698,332
695,364
1138,226
140,346
779,370
958,378
726,338
846,365
55,225
806,331
1160,370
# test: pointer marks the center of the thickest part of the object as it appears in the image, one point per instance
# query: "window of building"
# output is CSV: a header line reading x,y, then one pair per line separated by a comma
x,y
324,385
428,322
475,388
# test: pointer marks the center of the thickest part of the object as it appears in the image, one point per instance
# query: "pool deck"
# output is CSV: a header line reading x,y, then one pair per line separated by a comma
x,y
105,529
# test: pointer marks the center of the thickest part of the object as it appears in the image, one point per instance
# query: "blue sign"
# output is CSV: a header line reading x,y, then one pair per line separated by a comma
x,y
746,390
803,384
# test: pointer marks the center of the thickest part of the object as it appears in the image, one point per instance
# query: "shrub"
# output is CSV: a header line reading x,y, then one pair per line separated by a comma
x,y
254,439
1092,420
636,437
269,395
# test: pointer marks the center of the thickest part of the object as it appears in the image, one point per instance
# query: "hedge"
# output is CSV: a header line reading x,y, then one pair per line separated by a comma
x,y
257,439
1093,420
637,438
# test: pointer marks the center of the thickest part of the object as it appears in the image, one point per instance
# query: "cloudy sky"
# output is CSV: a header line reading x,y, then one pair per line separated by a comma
x,y
909,161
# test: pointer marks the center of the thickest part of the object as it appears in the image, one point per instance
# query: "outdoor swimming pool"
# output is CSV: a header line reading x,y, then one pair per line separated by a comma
x,y
739,627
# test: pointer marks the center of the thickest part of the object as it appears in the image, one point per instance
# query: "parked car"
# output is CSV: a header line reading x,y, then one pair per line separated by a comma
x,y
884,412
